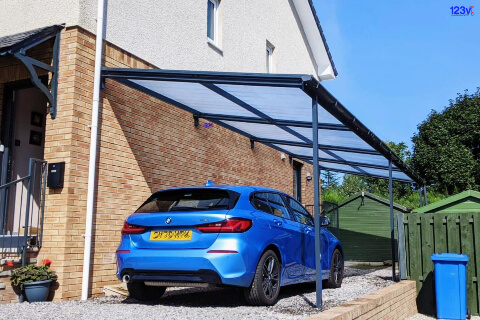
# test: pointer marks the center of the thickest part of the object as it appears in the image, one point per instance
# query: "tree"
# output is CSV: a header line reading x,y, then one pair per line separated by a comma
x,y
329,180
447,146
352,184
399,189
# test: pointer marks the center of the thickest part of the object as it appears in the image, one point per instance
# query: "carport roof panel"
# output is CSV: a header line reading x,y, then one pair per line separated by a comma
x,y
276,110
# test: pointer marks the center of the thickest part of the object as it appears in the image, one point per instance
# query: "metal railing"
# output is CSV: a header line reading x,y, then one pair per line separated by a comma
x,y
22,206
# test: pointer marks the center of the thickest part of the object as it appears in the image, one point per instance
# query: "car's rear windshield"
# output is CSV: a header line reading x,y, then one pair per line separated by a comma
x,y
189,200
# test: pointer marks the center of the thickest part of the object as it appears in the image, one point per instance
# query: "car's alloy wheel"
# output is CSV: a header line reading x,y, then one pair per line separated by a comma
x,y
141,292
336,270
266,282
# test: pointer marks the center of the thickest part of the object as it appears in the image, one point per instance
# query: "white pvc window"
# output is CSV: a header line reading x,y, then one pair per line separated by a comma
x,y
212,20
269,60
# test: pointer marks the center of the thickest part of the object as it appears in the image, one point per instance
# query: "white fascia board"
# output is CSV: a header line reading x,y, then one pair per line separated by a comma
x,y
310,28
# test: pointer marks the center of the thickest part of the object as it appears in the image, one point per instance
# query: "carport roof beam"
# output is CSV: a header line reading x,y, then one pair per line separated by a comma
x,y
290,123
320,146
274,109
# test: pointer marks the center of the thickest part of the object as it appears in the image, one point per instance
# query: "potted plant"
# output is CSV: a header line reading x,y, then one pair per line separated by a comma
x,y
34,280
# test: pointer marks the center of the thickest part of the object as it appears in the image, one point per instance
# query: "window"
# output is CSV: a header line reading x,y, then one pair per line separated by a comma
x,y
271,203
277,205
300,213
260,202
189,200
269,62
212,20
297,180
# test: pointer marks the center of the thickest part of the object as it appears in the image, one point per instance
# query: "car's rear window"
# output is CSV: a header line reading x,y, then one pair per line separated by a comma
x,y
189,200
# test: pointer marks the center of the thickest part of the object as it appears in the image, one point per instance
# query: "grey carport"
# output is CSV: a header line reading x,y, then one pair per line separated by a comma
x,y
277,110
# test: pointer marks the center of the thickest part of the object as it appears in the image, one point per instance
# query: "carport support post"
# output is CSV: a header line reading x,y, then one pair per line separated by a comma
x,y
316,204
392,232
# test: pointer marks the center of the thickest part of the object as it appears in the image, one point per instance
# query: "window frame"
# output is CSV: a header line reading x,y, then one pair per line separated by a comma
x,y
215,21
297,180
310,217
281,195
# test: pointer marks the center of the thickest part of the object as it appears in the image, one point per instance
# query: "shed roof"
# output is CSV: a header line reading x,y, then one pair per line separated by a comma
x,y
467,201
381,200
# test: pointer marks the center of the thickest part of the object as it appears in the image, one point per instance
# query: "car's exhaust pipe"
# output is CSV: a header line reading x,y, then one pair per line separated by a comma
x,y
126,278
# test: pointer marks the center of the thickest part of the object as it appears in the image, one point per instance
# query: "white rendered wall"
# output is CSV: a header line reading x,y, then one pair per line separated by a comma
x,y
172,34
22,15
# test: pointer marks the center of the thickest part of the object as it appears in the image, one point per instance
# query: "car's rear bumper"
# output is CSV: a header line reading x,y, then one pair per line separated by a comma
x,y
234,268
200,276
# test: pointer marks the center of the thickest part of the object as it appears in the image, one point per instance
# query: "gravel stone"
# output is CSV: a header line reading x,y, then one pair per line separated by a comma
x,y
295,302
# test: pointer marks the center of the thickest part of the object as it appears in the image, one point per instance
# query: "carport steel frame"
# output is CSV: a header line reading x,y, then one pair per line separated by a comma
x,y
319,95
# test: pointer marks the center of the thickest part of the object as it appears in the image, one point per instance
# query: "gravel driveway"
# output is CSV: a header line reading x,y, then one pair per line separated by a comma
x,y
295,302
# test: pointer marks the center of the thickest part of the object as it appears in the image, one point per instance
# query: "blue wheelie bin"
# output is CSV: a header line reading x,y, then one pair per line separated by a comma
x,y
451,285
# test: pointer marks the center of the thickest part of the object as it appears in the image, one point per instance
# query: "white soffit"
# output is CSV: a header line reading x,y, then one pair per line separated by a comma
x,y
310,27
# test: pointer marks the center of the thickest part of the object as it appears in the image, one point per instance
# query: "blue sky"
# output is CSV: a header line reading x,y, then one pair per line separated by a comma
x,y
398,60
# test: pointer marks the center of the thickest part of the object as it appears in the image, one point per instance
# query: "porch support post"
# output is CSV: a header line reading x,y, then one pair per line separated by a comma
x,y
27,211
316,204
392,231
54,82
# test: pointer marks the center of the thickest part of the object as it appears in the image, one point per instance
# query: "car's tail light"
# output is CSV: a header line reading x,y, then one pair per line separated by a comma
x,y
132,229
232,225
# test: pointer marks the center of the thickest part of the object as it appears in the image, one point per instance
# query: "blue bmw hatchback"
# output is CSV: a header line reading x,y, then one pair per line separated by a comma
x,y
249,237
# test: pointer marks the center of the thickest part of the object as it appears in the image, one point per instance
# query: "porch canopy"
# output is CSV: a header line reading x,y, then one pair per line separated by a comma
x,y
276,110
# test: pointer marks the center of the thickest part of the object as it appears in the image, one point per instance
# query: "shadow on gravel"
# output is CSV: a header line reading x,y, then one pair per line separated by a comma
x,y
233,297
221,297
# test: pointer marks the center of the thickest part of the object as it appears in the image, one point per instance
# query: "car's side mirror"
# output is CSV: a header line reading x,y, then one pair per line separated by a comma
x,y
324,221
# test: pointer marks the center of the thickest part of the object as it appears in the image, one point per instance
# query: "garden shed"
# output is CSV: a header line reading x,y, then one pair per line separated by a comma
x,y
464,202
364,227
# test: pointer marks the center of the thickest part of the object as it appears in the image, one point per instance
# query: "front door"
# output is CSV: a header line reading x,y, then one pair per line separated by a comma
x,y
23,135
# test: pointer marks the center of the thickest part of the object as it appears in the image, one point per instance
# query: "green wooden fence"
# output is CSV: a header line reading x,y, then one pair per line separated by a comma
x,y
428,233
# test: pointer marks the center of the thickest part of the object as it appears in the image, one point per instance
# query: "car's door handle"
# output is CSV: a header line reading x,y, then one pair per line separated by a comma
x,y
277,222
308,230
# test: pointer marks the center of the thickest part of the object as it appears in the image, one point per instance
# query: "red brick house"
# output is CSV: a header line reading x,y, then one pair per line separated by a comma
x,y
145,144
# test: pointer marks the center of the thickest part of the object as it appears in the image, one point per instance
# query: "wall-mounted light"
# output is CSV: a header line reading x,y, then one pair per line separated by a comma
x,y
283,157
309,176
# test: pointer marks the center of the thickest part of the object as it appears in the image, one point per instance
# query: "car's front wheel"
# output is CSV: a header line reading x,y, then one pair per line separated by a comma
x,y
141,292
266,282
336,270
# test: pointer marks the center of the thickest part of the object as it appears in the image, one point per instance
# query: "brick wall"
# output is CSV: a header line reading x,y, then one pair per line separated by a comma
x,y
395,302
144,145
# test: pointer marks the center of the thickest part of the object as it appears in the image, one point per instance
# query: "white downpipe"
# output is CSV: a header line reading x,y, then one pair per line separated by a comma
x,y
93,151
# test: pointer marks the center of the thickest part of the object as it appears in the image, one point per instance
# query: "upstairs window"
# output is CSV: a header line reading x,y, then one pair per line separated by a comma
x,y
212,20
269,61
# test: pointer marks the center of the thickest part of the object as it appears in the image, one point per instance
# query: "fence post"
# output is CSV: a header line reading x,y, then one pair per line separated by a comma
x,y
402,259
